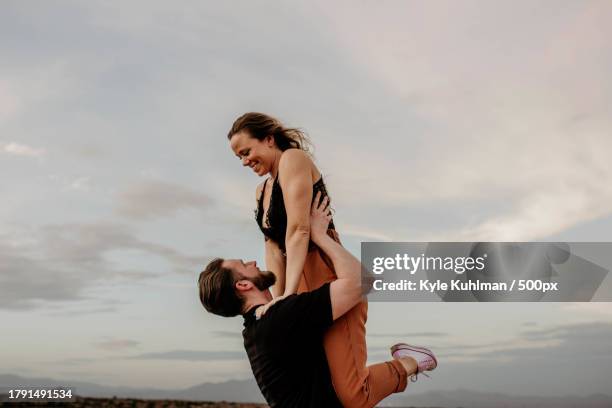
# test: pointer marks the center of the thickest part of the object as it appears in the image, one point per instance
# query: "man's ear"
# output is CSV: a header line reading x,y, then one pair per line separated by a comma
x,y
243,285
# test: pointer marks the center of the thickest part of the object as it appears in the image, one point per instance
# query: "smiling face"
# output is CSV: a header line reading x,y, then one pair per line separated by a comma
x,y
259,155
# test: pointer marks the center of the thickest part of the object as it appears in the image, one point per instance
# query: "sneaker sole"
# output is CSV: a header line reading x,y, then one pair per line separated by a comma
x,y
404,346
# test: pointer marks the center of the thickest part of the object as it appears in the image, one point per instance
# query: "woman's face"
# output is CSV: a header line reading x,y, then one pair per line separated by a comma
x,y
257,154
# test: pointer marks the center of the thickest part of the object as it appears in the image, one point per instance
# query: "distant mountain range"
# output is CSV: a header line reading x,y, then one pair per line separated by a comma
x,y
247,391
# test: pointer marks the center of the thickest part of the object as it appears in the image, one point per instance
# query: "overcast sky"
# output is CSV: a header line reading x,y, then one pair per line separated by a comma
x,y
471,120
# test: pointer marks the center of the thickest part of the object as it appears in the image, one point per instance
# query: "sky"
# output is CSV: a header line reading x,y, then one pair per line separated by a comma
x,y
430,121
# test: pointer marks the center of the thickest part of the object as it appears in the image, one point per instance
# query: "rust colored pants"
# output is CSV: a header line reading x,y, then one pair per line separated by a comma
x,y
356,385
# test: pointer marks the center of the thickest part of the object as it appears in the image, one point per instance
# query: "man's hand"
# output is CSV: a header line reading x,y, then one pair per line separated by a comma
x,y
320,216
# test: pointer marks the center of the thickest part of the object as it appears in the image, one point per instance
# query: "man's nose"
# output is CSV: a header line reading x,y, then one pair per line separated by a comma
x,y
245,161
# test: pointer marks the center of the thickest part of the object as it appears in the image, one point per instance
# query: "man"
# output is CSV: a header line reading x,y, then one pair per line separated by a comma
x,y
284,345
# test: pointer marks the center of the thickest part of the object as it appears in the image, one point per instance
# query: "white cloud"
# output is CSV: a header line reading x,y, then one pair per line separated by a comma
x,y
153,199
20,149
492,112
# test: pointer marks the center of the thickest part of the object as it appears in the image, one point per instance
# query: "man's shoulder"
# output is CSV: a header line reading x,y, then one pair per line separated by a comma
x,y
304,303
295,311
320,293
278,309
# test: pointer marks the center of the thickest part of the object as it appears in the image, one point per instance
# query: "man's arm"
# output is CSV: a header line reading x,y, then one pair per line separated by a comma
x,y
345,292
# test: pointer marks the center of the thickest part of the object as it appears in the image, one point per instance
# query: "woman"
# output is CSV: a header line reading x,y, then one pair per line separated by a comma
x,y
283,212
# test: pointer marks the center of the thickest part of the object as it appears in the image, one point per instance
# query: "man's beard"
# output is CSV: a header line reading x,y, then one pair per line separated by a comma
x,y
264,280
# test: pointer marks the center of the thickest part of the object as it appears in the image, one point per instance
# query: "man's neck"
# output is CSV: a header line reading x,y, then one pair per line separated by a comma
x,y
256,299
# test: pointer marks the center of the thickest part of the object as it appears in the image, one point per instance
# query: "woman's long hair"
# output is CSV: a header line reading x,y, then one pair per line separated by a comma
x,y
260,125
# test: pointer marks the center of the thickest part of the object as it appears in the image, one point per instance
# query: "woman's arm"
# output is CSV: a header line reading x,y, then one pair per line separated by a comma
x,y
275,262
296,182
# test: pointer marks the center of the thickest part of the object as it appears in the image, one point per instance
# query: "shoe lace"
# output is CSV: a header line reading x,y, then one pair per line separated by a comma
x,y
414,377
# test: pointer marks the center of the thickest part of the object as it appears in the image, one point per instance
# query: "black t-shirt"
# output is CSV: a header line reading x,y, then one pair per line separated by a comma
x,y
285,349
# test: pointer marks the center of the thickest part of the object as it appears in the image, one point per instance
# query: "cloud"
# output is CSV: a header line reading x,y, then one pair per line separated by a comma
x,y
155,199
571,332
75,361
25,281
86,244
556,343
579,344
84,311
116,344
18,149
491,117
601,309
59,262
192,355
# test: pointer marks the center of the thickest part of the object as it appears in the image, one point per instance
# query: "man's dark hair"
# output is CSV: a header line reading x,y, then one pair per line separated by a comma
x,y
217,291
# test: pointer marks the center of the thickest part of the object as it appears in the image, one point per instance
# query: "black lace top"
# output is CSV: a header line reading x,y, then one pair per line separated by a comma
x,y
275,226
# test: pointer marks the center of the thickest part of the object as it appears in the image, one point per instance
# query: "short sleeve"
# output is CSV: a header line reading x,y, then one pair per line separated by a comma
x,y
308,313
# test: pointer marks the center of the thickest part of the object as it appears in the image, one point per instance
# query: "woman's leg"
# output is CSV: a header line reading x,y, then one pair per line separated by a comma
x,y
356,385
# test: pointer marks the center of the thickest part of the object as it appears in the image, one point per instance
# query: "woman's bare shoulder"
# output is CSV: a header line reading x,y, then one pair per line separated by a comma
x,y
294,159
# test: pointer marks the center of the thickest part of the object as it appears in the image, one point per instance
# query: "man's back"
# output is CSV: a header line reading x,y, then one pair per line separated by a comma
x,y
285,349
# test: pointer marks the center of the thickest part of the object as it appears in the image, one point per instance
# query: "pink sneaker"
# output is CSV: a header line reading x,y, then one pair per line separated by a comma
x,y
425,358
